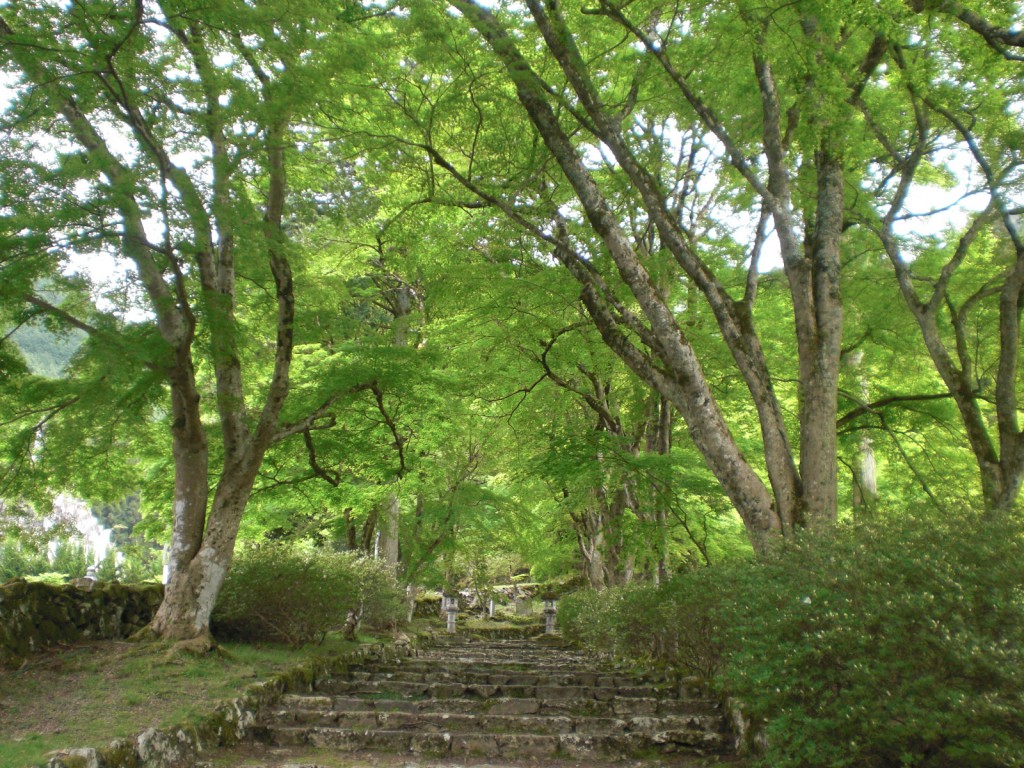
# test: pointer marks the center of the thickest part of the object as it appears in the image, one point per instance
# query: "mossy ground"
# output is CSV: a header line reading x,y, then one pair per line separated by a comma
x,y
89,694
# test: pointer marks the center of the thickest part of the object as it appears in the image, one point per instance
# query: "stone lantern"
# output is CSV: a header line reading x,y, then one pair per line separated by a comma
x,y
450,603
550,612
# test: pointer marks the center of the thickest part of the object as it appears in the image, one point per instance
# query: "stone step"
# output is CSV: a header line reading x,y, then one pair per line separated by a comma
x,y
617,708
452,689
508,647
517,662
507,746
495,676
427,721
509,700
420,666
483,662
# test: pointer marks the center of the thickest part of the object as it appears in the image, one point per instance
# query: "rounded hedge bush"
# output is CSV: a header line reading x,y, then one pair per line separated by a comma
x,y
898,642
279,592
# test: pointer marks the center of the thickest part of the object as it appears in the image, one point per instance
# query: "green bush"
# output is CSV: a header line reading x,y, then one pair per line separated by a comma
x,y
18,560
587,618
289,594
685,623
70,557
675,623
133,564
893,644
382,602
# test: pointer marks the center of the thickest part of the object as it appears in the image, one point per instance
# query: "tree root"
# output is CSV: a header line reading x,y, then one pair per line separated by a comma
x,y
200,645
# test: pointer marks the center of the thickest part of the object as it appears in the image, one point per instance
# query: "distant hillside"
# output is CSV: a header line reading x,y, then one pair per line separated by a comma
x,y
47,353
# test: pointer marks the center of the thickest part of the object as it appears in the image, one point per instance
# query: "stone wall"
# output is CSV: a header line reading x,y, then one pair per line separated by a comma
x,y
34,616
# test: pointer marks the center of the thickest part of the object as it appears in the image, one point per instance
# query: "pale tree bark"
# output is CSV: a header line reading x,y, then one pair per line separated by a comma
x,y
943,320
399,299
654,510
589,527
204,529
801,488
388,551
864,470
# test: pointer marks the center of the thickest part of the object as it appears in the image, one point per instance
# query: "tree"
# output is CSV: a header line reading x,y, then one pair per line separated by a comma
x,y
597,81
963,286
191,187
672,149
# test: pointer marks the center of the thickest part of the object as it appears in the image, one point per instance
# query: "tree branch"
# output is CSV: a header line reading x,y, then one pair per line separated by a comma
x,y
877,405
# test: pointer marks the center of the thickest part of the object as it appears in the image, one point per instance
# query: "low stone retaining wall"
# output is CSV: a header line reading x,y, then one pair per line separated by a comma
x,y
34,616
182,746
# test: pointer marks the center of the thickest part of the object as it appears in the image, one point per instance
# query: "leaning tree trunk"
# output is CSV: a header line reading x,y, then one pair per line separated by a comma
x,y
666,360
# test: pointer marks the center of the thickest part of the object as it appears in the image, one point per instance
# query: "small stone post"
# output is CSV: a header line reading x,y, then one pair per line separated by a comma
x,y
490,608
550,612
451,607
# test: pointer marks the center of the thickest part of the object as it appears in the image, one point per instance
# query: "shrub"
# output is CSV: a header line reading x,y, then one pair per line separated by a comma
x,y
133,564
18,560
895,644
685,623
382,601
278,592
675,623
590,619
70,557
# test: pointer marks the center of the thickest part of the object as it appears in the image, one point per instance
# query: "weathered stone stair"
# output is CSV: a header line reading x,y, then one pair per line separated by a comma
x,y
498,699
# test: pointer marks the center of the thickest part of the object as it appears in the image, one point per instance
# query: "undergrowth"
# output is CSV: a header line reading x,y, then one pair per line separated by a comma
x,y
88,695
898,642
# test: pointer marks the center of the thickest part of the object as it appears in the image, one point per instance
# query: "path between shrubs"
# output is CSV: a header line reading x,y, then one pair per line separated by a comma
x,y
488,704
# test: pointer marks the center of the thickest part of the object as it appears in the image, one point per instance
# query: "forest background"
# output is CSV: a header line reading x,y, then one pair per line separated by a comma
x,y
567,283
721,299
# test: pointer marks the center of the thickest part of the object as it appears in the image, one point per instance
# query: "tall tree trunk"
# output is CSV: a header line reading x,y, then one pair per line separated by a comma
x,y
865,471
590,539
658,440
388,549
800,492
189,275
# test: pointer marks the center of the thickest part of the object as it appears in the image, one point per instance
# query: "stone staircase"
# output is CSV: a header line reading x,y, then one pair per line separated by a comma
x,y
505,700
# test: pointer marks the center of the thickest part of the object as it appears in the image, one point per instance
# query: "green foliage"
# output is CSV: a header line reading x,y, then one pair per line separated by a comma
x,y
591,619
895,643
120,517
290,594
18,560
141,562
675,623
382,602
70,557
47,353
49,578
25,557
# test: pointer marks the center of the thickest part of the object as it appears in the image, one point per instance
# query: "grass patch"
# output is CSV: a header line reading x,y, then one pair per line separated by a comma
x,y
90,694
